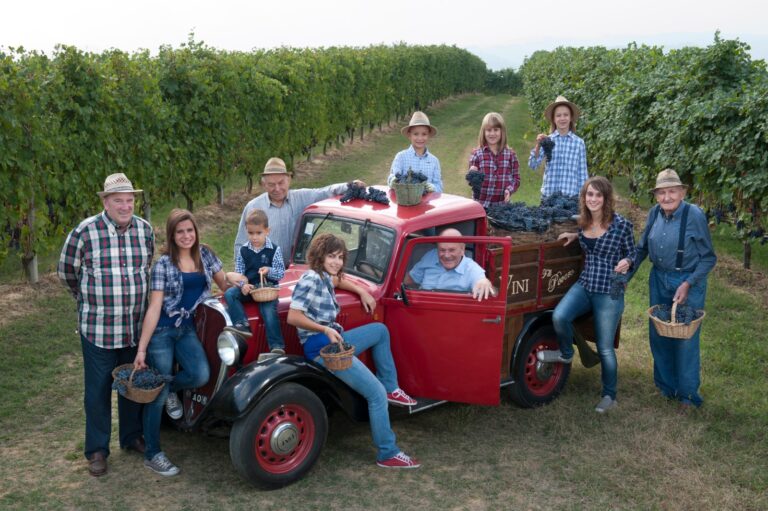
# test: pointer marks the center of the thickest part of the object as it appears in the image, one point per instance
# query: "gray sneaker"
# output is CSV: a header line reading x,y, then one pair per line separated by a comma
x,y
553,356
162,465
605,404
173,406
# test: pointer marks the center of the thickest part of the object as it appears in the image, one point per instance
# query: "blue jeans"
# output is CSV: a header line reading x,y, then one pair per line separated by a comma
x,y
676,363
373,388
169,344
98,364
235,299
606,314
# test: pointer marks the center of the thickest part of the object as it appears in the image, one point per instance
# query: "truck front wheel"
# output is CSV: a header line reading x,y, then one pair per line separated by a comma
x,y
281,438
537,383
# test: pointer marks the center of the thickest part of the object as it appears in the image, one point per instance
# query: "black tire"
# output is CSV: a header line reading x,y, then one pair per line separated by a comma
x,y
281,438
537,383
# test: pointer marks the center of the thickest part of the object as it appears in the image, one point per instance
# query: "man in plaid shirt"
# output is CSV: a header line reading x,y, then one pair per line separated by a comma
x,y
105,264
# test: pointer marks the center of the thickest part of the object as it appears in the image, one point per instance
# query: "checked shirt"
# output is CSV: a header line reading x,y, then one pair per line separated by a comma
x,y
108,274
427,164
614,245
501,173
314,296
567,171
276,272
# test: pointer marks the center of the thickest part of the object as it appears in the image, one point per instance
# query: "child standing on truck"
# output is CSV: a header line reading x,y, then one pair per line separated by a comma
x,y
565,170
496,160
417,157
313,312
256,258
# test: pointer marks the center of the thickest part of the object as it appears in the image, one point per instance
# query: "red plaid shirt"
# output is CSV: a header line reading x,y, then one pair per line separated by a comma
x,y
501,173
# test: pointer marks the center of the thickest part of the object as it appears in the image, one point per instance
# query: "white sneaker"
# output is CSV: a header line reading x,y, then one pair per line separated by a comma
x,y
173,406
162,465
605,404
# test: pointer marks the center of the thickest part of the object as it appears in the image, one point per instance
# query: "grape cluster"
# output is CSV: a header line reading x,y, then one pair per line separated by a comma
x,y
560,207
475,180
336,347
145,379
411,178
684,314
618,284
517,216
355,191
547,145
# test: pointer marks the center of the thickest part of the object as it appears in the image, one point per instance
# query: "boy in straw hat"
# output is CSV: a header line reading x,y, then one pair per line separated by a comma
x,y
105,264
566,170
417,157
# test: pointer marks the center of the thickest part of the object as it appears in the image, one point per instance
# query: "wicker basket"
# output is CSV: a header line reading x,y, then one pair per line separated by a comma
x,y
408,194
133,393
672,329
337,361
264,293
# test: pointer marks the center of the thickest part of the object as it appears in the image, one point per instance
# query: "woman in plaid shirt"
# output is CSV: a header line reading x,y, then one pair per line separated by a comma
x,y
609,246
313,312
497,161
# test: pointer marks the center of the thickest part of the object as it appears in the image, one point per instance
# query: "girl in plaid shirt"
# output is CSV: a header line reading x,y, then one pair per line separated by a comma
x,y
313,312
497,161
609,246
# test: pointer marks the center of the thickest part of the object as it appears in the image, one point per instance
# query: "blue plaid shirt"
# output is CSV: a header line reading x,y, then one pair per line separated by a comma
x,y
614,245
276,272
566,172
167,278
314,296
427,164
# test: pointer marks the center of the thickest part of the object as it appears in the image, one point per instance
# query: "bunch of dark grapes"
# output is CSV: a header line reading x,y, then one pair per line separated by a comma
x,y
684,314
146,379
411,178
475,180
517,216
618,284
547,145
559,207
376,195
353,191
336,347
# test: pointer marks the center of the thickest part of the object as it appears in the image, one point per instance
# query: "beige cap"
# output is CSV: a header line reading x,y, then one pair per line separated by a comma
x,y
549,112
419,119
117,183
668,178
275,166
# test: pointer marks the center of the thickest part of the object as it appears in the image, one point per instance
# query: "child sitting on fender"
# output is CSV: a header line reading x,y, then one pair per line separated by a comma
x,y
257,257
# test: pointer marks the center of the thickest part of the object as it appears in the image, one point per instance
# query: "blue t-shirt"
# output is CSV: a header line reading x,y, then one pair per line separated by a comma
x,y
194,285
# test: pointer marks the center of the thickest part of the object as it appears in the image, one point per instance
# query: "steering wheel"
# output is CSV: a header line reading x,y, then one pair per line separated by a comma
x,y
369,268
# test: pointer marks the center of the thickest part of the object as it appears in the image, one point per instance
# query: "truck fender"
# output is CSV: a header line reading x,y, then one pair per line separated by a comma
x,y
240,393
532,323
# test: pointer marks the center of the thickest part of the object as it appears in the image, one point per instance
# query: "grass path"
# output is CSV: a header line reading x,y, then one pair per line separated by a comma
x,y
564,456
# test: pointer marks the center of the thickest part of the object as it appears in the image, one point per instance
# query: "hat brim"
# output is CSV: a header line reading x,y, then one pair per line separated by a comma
x,y
132,190
550,110
432,129
275,171
669,185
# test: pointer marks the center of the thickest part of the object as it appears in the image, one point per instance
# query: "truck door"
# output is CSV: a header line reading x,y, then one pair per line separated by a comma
x,y
447,345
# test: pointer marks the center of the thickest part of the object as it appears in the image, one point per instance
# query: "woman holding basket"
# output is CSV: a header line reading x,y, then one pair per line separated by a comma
x,y
677,241
313,312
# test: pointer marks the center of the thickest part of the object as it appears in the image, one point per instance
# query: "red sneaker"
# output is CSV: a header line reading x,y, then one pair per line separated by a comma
x,y
398,397
400,460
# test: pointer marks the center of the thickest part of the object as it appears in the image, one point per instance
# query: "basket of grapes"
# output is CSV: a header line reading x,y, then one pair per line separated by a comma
x,y
337,356
265,292
409,188
677,321
141,386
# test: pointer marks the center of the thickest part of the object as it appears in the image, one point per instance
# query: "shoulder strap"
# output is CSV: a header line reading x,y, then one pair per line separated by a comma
x,y
681,237
653,214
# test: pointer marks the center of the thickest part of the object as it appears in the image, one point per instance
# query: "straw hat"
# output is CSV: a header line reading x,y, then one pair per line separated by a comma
x,y
419,119
549,112
668,178
275,166
117,183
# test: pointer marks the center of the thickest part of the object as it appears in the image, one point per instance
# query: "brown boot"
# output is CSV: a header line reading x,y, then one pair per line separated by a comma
x,y
97,464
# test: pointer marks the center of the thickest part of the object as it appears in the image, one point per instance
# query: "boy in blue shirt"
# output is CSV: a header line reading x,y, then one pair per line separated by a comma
x,y
417,157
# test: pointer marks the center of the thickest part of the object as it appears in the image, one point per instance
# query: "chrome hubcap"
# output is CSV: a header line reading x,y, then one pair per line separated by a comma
x,y
284,438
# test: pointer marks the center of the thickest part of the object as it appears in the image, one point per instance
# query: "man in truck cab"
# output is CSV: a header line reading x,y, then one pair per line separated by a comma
x,y
446,268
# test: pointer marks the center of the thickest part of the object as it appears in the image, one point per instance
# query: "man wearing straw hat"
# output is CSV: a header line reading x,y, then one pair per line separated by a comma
x,y
105,264
676,239
282,205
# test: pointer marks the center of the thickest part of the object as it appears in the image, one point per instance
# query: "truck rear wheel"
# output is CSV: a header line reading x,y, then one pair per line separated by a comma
x,y
537,383
281,438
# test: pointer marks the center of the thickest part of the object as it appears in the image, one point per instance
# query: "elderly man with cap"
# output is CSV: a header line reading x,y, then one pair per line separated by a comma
x,y
282,205
447,269
105,264
677,241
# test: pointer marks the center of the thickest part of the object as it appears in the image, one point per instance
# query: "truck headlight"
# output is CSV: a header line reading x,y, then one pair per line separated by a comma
x,y
230,347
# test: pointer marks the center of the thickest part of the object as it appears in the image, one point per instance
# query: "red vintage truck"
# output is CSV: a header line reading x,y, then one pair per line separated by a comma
x,y
446,345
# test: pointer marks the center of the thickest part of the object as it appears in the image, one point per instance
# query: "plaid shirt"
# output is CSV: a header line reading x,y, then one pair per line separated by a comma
x,y
501,173
276,272
314,296
108,274
167,278
427,164
566,172
614,245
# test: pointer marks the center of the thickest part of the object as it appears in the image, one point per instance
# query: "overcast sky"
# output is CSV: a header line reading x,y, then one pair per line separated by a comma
x,y
501,33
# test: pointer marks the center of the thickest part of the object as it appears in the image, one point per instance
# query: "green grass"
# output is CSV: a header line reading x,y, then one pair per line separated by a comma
x,y
643,455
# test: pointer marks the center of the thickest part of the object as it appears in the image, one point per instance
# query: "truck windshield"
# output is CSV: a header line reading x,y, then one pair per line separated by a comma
x,y
369,245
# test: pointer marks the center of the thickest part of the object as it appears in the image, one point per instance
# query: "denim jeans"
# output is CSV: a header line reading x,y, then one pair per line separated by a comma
x,y
606,313
166,345
373,388
235,299
98,364
676,363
